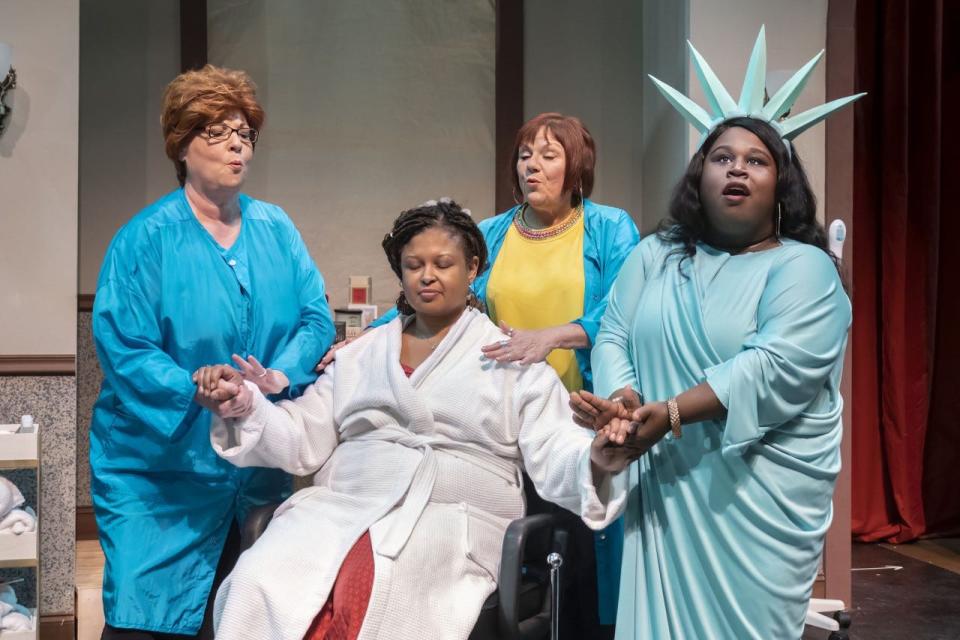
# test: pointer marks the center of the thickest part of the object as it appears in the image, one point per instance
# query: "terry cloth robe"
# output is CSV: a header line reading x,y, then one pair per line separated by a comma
x,y
430,465
724,526
609,235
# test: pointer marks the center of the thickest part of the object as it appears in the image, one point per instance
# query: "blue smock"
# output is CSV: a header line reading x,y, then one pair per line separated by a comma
x,y
609,235
725,526
170,300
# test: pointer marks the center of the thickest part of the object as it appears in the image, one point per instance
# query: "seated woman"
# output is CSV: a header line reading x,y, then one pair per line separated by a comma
x,y
419,441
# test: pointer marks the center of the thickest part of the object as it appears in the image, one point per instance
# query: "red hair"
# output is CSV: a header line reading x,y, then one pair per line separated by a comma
x,y
578,147
194,99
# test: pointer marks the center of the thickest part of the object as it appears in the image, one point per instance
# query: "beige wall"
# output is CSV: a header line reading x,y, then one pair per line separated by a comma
x,y
590,60
128,52
796,31
38,180
371,108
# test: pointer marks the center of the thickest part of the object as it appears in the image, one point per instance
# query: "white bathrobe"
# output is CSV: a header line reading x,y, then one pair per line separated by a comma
x,y
430,465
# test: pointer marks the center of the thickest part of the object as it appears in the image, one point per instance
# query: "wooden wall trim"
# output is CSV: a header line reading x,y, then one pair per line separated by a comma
x,y
87,524
509,94
85,302
57,627
38,365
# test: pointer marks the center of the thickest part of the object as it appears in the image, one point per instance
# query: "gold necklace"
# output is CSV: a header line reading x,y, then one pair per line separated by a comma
x,y
525,230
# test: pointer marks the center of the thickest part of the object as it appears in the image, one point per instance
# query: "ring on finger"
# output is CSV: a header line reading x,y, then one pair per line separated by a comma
x,y
504,343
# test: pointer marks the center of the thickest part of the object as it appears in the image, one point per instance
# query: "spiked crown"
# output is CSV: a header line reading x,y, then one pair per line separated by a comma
x,y
751,103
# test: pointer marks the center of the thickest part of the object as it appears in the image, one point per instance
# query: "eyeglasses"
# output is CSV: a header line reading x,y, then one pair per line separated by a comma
x,y
219,132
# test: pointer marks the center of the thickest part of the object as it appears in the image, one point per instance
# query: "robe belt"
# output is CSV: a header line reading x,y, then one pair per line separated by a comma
x,y
425,476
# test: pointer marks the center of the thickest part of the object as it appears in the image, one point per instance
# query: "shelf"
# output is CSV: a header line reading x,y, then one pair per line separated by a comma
x,y
18,550
22,635
21,449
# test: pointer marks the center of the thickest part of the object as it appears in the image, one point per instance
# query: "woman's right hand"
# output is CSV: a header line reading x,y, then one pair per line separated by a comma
x,y
593,412
331,354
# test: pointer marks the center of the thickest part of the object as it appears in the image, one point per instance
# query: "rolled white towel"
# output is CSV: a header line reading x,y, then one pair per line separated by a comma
x,y
10,496
16,622
19,521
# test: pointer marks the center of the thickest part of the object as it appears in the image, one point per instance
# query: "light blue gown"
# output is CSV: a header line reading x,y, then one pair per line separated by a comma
x,y
725,526
169,300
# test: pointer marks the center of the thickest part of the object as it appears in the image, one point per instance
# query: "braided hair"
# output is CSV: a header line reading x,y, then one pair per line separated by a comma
x,y
443,213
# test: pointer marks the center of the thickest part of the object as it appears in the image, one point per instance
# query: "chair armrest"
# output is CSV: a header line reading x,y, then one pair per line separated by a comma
x,y
511,567
256,523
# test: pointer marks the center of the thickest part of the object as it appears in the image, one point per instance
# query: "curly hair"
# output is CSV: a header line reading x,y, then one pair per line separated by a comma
x,y
578,147
687,222
447,215
196,98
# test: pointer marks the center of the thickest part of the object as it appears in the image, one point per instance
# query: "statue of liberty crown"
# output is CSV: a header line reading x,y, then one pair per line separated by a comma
x,y
751,103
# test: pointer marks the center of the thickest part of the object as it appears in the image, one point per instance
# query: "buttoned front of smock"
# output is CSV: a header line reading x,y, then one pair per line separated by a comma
x,y
170,300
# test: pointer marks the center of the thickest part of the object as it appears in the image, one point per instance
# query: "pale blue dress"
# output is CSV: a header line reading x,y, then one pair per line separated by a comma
x,y
725,526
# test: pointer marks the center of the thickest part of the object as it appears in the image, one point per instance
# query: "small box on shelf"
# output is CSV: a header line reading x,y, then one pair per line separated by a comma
x,y
19,447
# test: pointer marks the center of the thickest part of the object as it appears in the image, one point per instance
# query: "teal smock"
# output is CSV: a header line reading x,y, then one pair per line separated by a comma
x,y
169,300
609,235
725,526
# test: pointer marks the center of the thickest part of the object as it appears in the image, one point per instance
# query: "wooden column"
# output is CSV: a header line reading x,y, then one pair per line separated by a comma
x,y
841,32
193,34
509,94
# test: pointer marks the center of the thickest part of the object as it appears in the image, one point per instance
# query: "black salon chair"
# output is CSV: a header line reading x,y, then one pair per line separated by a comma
x,y
520,608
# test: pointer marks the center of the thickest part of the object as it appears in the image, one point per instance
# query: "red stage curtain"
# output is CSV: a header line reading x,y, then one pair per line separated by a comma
x,y
906,271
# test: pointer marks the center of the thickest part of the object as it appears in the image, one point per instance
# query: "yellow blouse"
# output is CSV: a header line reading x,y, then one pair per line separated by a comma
x,y
537,284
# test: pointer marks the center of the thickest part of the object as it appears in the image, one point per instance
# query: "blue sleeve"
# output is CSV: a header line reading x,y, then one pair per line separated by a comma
x,y
315,332
610,360
616,246
385,318
802,324
151,386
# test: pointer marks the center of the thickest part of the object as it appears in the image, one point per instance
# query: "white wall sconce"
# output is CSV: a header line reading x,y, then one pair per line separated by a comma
x,y
8,81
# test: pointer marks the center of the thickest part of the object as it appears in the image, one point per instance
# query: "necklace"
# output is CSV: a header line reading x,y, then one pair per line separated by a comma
x,y
525,230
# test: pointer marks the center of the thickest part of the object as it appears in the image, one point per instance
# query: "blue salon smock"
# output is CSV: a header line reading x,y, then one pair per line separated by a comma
x,y
170,300
725,526
608,238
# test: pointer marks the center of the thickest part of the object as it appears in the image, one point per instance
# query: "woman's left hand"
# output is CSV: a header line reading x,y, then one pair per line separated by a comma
x,y
525,346
220,389
267,380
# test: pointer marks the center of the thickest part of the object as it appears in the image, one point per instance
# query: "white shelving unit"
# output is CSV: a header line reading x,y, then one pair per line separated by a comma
x,y
21,450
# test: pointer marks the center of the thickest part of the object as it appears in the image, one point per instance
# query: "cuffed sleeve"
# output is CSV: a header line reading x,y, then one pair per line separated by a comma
x,y
803,319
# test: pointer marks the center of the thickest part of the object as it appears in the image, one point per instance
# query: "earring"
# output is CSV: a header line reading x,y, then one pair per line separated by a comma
x,y
779,218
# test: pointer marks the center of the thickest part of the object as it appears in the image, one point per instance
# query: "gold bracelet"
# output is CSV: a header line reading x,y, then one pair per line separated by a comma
x,y
674,412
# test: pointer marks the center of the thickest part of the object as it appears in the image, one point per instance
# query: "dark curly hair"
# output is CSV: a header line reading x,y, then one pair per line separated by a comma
x,y
687,222
445,214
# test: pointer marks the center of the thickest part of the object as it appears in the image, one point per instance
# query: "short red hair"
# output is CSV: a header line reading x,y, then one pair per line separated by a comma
x,y
194,99
578,147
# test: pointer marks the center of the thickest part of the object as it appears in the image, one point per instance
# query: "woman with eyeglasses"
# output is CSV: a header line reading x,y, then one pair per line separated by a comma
x,y
203,275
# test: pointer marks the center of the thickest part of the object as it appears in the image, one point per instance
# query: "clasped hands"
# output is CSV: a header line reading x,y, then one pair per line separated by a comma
x,y
221,388
625,428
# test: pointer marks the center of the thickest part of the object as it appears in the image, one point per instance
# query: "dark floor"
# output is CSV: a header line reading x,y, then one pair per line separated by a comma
x,y
919,602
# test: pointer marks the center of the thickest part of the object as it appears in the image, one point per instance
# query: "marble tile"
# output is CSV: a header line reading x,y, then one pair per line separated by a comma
x,y
52,400
89,378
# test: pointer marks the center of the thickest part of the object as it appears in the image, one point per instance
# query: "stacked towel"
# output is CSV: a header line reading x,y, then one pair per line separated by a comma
x,y
12,519
13,616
